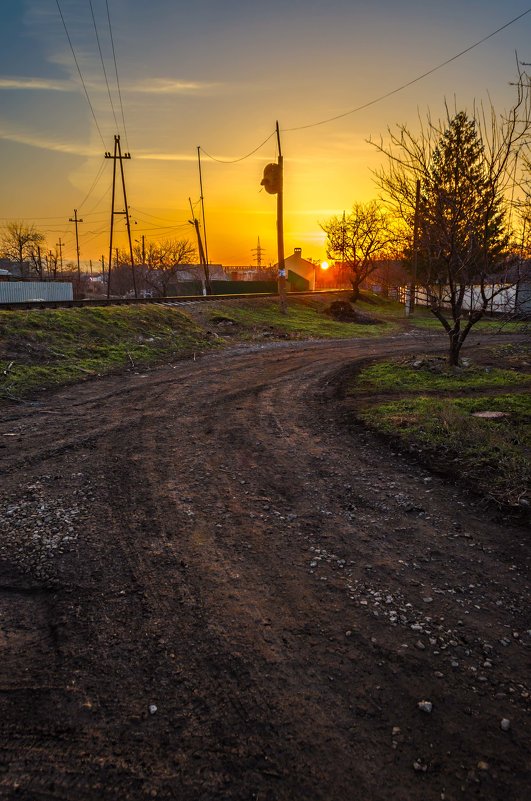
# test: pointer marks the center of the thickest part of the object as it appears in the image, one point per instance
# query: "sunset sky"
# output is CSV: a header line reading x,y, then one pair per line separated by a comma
x,y
218,73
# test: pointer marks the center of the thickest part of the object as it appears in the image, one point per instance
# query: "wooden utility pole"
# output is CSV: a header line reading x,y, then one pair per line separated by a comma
x,y
202,257
60,246
202,203
119,156
102,267
75,219
410,305
39,261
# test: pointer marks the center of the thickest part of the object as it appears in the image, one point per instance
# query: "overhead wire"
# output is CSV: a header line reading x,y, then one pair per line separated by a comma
x,y
116,72
103,64
80,73
94,184
409,83
242,158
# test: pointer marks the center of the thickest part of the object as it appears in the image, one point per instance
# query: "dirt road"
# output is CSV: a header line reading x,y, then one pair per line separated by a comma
x,y
213,587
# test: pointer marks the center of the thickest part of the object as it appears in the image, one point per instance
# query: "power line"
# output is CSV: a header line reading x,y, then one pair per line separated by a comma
x,y
93,209
147,214
242,158
103,64
80,74
94,183
116,71
413,81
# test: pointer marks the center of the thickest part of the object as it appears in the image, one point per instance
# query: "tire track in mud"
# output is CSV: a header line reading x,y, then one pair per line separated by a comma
x,y
236,573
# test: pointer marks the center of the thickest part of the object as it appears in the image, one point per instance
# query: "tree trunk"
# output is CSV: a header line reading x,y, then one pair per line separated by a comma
x,y
355,292
455,348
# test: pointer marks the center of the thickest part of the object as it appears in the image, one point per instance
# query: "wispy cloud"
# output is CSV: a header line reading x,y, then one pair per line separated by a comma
x,y
169,86
165,156
38,84
31,140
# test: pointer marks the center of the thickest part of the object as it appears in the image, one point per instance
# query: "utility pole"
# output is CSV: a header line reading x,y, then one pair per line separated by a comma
x,y
102,268
119,156
280,229
202,202
202,258
75,219
60,246
410,304
273,183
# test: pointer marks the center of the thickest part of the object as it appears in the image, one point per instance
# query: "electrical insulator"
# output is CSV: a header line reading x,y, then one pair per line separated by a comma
x,y
272,180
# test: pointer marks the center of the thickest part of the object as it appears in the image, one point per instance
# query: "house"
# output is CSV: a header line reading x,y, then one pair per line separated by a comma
x,y
300,272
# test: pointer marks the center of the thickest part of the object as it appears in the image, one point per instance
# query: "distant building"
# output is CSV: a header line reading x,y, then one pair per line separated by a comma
x,y
301,273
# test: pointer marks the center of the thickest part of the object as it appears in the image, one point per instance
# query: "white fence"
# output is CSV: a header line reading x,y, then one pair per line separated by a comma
x,y
508,300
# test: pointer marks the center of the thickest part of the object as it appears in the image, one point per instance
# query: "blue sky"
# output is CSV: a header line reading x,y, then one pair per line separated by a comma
x,y
218,74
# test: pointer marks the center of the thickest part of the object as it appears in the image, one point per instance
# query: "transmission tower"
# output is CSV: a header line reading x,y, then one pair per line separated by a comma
x,y
258,251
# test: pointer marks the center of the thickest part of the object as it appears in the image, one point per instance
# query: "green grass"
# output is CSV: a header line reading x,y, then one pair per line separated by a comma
x,y
423,318
492,455
401,377
46,348
305,319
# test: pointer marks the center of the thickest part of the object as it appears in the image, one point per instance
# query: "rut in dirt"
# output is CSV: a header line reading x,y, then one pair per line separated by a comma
x,y
214,585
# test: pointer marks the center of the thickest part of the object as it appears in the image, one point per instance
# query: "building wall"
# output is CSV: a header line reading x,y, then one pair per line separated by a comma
x,y
23,291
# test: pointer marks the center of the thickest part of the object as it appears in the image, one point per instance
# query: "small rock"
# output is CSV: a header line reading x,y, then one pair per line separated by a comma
x,y
152,709
420,645
505,724
426,706
483,765
420,766
396,731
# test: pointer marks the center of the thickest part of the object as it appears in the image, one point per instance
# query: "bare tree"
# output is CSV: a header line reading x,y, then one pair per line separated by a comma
x,y
162,262
358,240
466,166
18,241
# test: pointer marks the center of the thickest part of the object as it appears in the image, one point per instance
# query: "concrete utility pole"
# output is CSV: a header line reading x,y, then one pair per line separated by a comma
x,y
282,278
119,156
273,183
75,219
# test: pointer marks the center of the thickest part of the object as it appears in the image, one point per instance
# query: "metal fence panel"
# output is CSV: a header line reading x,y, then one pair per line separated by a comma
x,y
24,291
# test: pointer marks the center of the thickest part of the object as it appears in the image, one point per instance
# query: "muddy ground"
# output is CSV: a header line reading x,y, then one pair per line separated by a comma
x,y
214,586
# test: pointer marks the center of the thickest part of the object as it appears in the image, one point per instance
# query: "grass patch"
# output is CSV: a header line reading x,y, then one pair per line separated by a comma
x,y
490,454
305,319
49,347
423,318
435,376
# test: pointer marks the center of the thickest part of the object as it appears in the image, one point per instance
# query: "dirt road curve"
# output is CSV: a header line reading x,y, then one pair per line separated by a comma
x,y
211,588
